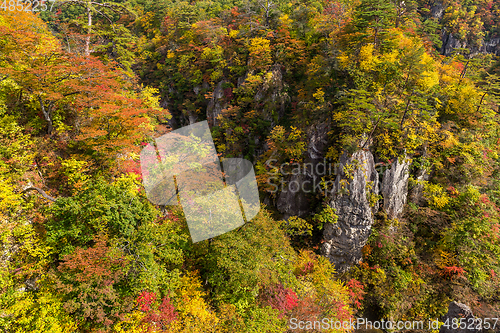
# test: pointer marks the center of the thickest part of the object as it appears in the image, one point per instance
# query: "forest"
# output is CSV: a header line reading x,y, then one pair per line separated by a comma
x,y
372,127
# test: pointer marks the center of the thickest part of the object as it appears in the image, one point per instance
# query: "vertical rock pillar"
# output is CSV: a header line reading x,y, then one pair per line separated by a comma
x,y
354,202
395,188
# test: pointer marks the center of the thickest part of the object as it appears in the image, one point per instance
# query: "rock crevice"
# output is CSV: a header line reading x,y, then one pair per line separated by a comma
x,y
295,200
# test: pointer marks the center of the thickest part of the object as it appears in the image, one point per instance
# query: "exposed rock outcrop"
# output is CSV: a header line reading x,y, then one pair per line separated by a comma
x,y
295,199
395,188
317,142
356,183
417,191
459,310
216,104
437,9
273,94
450,43
491,46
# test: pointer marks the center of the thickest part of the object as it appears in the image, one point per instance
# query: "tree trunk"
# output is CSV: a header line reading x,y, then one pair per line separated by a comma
x,y
89,30
46,115
39,190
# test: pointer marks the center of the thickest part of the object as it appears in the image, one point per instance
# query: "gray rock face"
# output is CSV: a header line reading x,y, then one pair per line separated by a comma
x,y
356,181
395,188
459,310
437,10
294,199
317,142
216,104
273,94
417,191
450,43
491,46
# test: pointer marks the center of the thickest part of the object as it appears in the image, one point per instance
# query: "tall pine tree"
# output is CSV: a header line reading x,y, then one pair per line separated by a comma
x,y
372,18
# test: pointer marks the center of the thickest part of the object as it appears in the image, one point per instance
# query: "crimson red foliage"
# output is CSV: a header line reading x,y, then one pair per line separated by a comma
x,y
356,292
280,298
163,315
452,271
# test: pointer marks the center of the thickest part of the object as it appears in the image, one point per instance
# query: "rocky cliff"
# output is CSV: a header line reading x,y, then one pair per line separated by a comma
x,y
459,313
357,187
298,203
356,200
395,187
483,41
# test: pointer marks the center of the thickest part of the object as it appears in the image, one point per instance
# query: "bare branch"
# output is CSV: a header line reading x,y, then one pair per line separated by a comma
x,y
406,110
481,102
42,192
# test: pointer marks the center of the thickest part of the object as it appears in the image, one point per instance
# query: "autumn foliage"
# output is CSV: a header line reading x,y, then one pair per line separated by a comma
x,y
86,86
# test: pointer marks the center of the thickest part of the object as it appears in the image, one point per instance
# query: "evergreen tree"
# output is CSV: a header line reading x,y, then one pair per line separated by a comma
x,y
372,18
